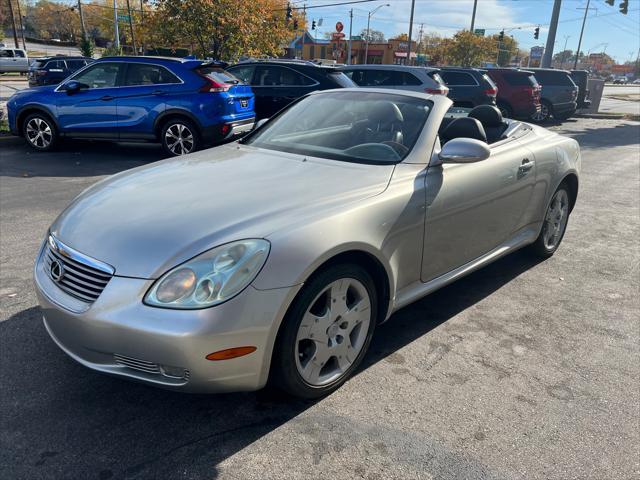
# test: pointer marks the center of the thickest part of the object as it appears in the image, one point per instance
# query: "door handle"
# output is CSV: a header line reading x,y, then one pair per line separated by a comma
x,y
525,167
106,98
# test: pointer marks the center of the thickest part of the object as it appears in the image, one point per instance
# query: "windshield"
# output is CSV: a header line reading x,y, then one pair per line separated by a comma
x,y
362,127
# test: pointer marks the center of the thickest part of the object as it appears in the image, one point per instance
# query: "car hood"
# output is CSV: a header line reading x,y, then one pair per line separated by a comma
x,y
149,219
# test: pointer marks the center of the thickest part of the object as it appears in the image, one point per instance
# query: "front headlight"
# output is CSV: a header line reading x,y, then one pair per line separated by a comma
x,y
210,278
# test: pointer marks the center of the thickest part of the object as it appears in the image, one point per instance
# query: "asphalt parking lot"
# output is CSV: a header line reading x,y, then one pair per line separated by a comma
x,y
525,369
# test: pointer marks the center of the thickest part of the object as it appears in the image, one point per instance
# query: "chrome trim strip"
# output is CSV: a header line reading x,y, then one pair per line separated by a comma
x,y
72,254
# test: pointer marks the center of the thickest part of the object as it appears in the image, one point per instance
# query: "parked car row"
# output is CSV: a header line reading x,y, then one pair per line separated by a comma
x,y
186,104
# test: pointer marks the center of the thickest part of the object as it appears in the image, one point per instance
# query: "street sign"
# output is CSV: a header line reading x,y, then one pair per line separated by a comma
x,y
124,18
339,27
337,36
479,32
536,52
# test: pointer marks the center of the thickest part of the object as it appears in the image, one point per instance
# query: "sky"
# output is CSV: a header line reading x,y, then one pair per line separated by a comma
x,y
606,28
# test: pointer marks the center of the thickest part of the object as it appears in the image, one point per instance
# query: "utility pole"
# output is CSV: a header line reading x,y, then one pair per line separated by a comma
x,y
13,24
366,48
304,27
24,45
413,6
82,26
551,36
418,47
142,25
473,15
584,20
133,37
115,24
349,42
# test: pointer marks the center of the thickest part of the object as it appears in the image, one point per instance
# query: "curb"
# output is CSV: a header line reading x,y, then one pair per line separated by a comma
x,y
601,116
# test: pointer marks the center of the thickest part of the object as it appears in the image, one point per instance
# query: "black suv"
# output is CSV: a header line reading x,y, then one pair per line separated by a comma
x,y
277,83
53,70
469,87
559,94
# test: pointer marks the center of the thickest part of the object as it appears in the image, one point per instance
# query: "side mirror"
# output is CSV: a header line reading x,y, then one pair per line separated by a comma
x,y
260,122
464,150
73,87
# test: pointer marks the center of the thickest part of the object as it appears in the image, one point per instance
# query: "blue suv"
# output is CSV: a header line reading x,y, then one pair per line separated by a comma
x,y
184,104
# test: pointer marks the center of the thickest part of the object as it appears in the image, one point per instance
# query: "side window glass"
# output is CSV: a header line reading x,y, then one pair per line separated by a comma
x,y
102,75
6,53
20,53
244,73
269,76
144,74
55,66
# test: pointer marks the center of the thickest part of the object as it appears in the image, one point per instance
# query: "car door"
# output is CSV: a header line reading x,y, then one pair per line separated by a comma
x,y
141,98
21,60
276,87
7,60
91,111
473,208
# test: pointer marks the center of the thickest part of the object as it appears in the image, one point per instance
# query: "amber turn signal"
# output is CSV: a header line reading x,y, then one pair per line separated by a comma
x,y
230,353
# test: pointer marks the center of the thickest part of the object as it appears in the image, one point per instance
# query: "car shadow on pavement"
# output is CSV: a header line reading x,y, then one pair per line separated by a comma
x,y
63,420
74,158
603,134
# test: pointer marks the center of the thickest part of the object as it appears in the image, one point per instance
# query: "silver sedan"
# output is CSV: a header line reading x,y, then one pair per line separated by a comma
x,y
274,258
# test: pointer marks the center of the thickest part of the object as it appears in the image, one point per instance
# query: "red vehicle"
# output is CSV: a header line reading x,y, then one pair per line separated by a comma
x,y
518,92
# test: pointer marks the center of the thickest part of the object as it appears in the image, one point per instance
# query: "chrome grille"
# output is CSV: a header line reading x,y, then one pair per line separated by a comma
x,y
134,363
72,274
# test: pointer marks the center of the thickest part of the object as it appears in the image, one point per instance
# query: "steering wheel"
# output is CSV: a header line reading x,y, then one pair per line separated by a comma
x,y
399,148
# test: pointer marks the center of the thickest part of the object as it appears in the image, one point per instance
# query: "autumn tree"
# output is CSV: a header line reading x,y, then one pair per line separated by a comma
x,y
226,29
508,48
469,49
374,35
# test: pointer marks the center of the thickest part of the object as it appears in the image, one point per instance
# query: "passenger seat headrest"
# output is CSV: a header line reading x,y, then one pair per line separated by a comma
x,y
385,113
488,115
464,127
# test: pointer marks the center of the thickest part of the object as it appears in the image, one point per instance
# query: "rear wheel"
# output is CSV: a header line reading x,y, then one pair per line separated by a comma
x,y
555,224
326,332
179,137
544,114
40,132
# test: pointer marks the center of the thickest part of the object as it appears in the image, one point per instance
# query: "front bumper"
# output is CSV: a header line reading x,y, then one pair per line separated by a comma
x,y
119,335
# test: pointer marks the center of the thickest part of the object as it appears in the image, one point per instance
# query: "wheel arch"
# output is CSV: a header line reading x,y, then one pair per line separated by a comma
x,y
170,114
571,180
27,110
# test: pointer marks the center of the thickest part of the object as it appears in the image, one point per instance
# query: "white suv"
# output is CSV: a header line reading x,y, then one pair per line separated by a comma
x,y
417,79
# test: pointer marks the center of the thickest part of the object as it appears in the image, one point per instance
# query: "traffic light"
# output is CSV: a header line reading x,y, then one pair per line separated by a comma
x,y
501,35
313,25
610,2
624,7
536,33
289,12
295,24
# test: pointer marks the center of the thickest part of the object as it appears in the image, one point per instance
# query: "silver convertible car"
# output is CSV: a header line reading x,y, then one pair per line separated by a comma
x,y
274,258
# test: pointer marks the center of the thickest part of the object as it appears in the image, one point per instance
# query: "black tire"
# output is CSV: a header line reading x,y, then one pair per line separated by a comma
x,y
284,370
540,247
175,127
505,110
546,111
40,131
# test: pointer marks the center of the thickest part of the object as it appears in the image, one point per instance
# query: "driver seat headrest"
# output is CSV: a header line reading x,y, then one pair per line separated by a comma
x,y
385,114
464,127
487,115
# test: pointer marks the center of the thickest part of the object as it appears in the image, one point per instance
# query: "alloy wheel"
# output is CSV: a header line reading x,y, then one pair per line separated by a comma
x,y
39,133
542,115
555,220
333,332
179,139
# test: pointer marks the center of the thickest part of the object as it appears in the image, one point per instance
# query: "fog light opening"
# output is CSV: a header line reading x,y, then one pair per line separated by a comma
x,y
173,372
225,129
230,353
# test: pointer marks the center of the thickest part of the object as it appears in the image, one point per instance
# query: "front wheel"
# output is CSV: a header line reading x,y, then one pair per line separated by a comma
x,y
555,224
179,137
326,332
40,132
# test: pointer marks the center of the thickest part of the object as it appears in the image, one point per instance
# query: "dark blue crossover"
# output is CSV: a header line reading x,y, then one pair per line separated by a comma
x,y
184,104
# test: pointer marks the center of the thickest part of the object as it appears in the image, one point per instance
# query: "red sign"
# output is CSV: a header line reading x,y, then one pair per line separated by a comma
x,y
337,36
339,27
622,68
